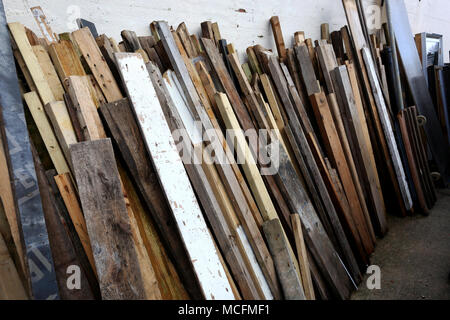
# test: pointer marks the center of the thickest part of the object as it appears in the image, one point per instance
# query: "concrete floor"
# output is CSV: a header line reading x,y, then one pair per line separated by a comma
x,y
414,257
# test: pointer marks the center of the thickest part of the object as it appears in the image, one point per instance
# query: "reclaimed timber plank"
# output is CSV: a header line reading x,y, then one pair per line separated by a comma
x,y
65,60
87,114
297,137
71,201
302,257
124,130
357,129
387,127
49,72
107,220
59,117
43,24
20,38
9,207
168,164
278,36
328,259
97,64
412,163
289,278
11,286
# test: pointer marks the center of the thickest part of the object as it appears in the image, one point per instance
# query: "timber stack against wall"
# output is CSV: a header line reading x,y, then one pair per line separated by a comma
x,y
165,166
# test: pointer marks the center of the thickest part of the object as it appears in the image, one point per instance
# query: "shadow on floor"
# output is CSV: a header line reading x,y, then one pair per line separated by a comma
x,y
414,257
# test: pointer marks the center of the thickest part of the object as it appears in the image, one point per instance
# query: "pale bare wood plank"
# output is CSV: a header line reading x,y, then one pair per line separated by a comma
x,y
97,64
49,72
178,190
46,131
278,35
285,266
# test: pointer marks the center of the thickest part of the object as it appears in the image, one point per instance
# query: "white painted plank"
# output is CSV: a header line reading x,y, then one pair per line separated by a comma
x,y
173,178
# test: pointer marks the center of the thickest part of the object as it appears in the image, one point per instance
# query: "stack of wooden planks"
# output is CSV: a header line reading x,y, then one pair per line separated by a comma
x,y
170,168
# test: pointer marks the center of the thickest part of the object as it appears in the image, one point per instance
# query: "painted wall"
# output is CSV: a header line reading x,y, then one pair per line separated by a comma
x,y
243,22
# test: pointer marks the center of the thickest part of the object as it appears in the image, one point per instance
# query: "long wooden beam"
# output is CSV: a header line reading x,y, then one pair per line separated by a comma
x,y
174,180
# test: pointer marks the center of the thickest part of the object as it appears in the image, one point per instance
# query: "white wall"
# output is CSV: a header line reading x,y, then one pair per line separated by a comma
x,y
241,28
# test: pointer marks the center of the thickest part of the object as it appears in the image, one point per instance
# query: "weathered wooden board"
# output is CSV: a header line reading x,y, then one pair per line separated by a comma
x,y
365,152
45,129
354,44
107,220
387,127
63,251
241,198
62,125
290,281
328,62
134,210
70,198
278,35
9,206
11,286
418,86
319,243
49,72
97,64
352,163
335,150
219,212
307,69
124,129
173,178
165,282
302,257
249,163
43,89
422,203
25,188
296,136
225,79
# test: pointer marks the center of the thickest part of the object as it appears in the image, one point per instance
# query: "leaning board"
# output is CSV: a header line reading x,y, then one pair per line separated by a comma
x,y
173,178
